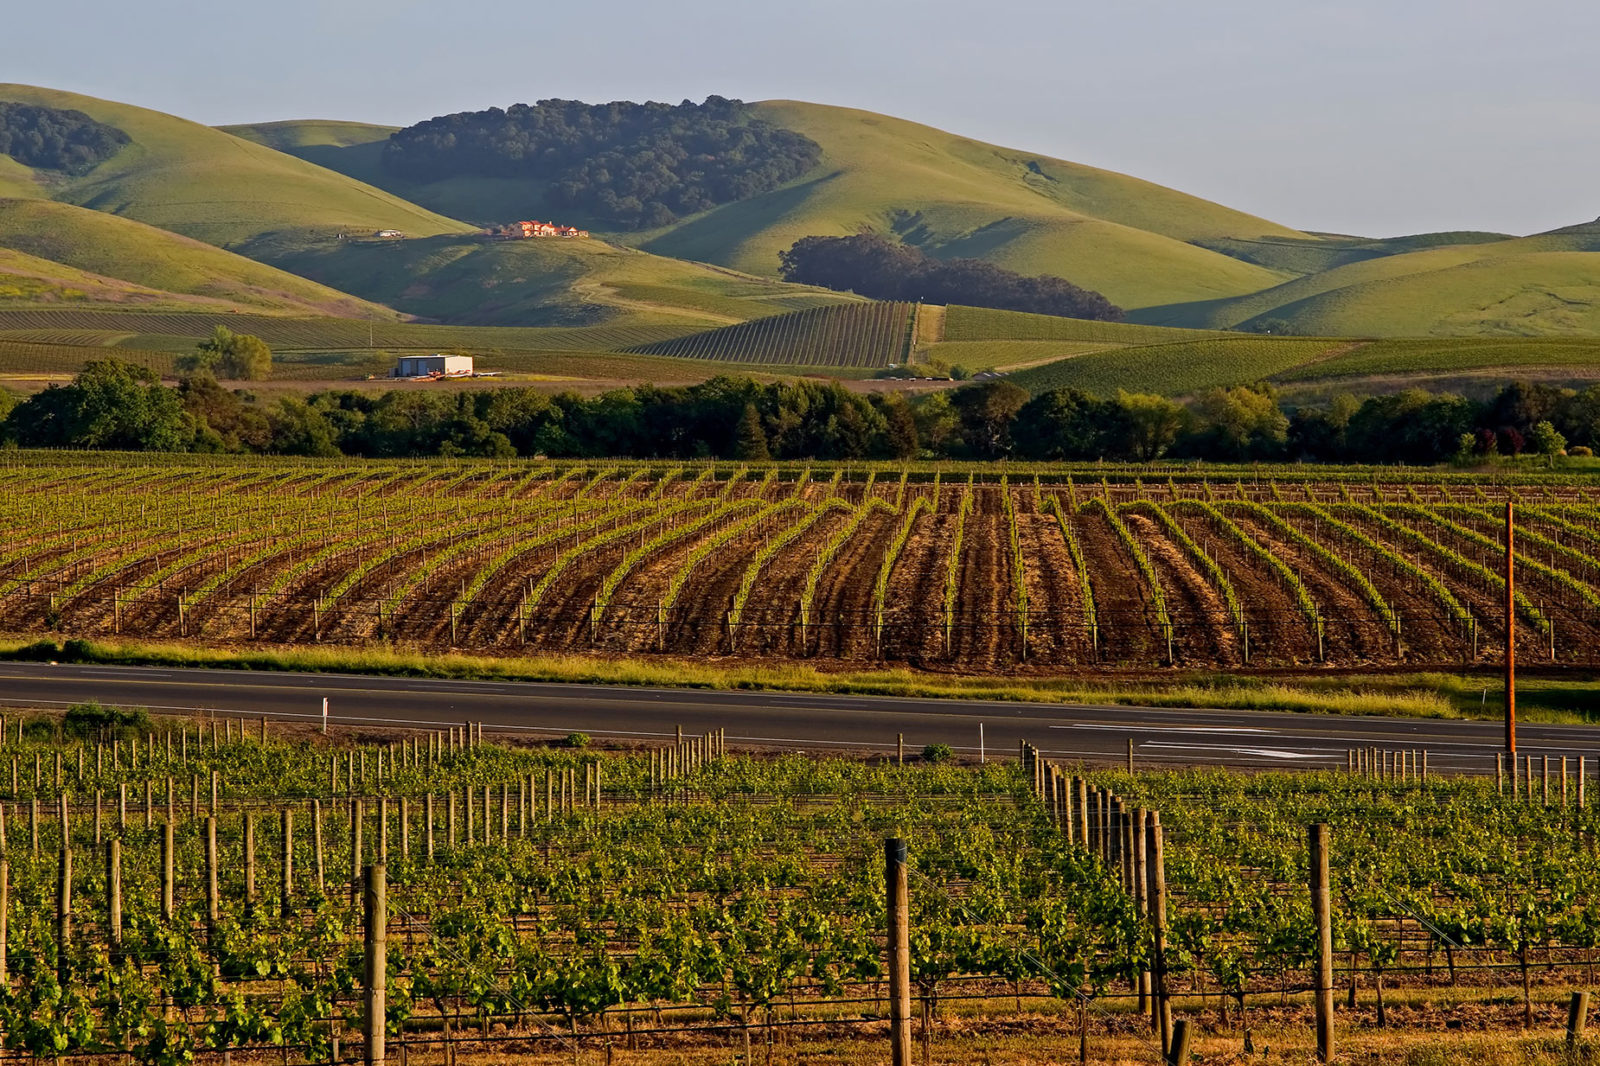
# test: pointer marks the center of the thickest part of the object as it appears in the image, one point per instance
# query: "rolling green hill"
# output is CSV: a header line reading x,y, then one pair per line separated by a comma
x,y
1124,237
1545,284
209,185
305,197
86,256
470,280
1129,239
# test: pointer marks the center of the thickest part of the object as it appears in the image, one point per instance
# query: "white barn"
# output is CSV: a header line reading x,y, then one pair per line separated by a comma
x,y
422,366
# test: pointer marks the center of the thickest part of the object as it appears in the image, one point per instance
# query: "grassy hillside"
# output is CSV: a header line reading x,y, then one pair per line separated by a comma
x,y
1170,258
204,183
473,281
953,196
355,149
88,257
1178,369
1544,284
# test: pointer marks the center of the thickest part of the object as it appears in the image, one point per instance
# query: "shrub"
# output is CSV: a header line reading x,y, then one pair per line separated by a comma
x,y
40,651
577,740
91,719
937,753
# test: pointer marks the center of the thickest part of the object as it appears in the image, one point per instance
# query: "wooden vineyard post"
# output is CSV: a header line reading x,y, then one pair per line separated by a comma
x,y
1321,910
316,843
1179,1053
64,913
900,749
376,900
356,818
1511,631
114,894
1577,1017
286,863
249,863
1141,890
1158,923
895,884
213,898
167,861
5,912
427,817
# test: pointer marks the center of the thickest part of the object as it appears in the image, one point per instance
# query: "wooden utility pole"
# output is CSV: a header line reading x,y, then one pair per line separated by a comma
x,y
1511,635
1321,912
894,849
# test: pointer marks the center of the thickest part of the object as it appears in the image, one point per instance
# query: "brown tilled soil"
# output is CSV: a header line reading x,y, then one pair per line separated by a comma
x,y
842,609
1127,621
1058,631
1203,628
985,634
914,606
1279,633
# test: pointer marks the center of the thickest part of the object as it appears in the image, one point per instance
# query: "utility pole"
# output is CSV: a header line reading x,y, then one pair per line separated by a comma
x,y
1511,635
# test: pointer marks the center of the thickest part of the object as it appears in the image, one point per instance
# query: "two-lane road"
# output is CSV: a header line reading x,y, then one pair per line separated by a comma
x,y
790,720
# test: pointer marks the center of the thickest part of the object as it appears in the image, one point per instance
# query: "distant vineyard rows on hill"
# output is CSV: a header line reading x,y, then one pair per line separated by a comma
x,y
847,335
975,570
340,332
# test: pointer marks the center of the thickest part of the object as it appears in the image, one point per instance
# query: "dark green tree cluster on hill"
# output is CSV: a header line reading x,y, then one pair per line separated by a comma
x,y
56,139
629,166
876,266
117,405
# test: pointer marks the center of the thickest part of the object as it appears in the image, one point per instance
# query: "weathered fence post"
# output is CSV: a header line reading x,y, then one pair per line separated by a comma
x,y
286,884
376,898
899,951
1577,1017
1321,910
167,862
64,914
1158,914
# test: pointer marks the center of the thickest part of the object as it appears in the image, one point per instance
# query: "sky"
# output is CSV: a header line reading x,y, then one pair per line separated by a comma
x,y
1370,117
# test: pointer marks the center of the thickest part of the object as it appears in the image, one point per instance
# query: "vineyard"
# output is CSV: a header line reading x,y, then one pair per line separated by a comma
x,y
847,335
187,889
944,569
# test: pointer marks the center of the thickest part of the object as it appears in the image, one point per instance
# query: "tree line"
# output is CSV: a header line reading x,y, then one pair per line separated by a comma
x,y
55,138
629,166
873,265
114,404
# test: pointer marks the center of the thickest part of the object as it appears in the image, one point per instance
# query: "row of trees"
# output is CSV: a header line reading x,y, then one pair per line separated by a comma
x,y
627,165
874,265
55,138
114,404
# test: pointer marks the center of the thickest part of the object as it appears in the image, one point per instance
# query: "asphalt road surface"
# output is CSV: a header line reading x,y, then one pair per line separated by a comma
x,y
769,720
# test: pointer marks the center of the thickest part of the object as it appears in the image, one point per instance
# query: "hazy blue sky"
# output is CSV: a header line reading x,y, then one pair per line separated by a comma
x,y
1367,116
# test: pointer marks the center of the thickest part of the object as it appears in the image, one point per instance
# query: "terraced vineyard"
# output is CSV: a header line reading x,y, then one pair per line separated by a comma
x,y
847,335
940,569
